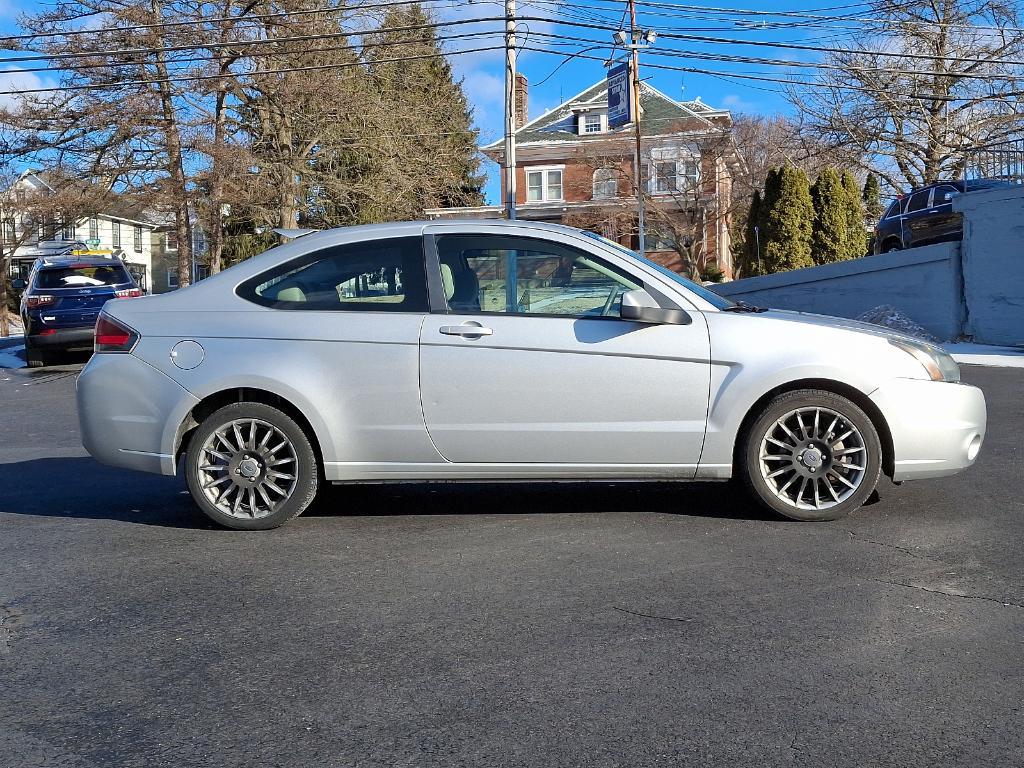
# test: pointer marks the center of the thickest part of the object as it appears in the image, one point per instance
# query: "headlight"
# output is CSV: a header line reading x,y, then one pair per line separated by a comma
x,y
940,366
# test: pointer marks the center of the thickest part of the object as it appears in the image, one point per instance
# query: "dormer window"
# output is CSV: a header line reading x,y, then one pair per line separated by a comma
x,y
590,120
592,123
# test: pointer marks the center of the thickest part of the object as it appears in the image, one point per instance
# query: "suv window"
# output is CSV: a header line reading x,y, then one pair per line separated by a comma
x,y
82,276
941,192
918,201
894,210
370,276
528,276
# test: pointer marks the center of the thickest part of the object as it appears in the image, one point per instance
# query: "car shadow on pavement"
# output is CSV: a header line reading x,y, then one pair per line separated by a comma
x,y
719,500
80,487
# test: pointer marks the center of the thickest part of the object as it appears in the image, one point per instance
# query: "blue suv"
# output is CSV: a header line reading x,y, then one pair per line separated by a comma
x,y
62,298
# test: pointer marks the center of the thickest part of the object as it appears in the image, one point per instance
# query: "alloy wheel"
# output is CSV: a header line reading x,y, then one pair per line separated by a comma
x,y
813,458
248,468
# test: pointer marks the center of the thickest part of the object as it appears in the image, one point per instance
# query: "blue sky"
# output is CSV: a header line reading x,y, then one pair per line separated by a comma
x,y
482,71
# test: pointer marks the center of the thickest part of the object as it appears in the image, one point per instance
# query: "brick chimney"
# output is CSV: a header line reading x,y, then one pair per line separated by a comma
x,y
522,114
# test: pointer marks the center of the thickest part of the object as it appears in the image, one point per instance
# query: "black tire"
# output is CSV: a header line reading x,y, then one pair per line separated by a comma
x,y
34,358
306,472
893,246
818,450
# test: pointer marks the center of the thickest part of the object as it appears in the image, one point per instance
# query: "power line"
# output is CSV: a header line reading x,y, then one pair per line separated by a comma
x,y
239,43
257,73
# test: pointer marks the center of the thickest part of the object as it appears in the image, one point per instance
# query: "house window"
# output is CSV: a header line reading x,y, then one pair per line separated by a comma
x,y
544,184
605,184
115,233
137,239
673,170
94,228
592,123
69,232
172,278
171,241
8,233
665,176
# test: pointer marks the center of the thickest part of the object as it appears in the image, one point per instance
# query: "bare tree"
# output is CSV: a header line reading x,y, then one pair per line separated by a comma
x,y
935,79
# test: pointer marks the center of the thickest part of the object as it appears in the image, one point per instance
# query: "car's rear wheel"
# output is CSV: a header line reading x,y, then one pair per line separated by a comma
x,y
251,467
811,455
34,357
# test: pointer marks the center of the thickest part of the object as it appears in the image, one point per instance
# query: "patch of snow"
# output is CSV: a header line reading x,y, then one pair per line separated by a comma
x,y
12,356
888,316
984,354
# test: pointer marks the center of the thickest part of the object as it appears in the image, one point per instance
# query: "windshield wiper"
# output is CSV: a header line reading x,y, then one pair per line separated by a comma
x,y
742,306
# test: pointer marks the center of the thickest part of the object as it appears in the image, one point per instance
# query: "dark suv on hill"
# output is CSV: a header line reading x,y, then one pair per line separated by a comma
x,y
926,215
62,298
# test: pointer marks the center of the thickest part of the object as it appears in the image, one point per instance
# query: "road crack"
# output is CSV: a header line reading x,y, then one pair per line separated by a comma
x,y
984,598
651,615
903,550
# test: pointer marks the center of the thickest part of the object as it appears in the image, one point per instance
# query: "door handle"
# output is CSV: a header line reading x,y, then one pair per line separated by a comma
x,y
465,330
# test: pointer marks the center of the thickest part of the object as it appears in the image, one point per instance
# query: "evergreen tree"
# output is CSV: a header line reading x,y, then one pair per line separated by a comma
x,y
871,196
856,228
751,237
786,220
829,234
422,150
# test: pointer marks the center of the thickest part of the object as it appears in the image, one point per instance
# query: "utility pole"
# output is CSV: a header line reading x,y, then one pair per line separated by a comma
x,y
638,160
634,40
510,109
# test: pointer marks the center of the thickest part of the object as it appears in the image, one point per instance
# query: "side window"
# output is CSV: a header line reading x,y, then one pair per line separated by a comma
x,y
371,276
944,195
895,209
918,201
528,276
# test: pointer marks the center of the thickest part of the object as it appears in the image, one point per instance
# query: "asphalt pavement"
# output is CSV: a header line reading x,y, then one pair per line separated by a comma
x,y
504,625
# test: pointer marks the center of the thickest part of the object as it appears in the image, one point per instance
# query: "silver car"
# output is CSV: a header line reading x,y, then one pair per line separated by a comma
x,y
505,350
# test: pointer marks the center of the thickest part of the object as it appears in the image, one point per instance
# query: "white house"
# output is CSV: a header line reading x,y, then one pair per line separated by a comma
x,y
123,232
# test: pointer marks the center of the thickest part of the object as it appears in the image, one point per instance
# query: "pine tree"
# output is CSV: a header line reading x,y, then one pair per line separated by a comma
x,y
786,220
829,234
425,155
871,196
751,237
856,228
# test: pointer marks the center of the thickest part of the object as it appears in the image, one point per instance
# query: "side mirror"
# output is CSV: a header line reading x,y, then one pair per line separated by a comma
x,y
949,196
640,306
19,284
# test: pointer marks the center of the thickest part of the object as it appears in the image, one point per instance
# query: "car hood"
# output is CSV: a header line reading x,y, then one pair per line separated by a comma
x,y
839,323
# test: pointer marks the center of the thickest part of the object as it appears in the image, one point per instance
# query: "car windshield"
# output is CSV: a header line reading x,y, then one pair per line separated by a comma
x,y
82,276
712,298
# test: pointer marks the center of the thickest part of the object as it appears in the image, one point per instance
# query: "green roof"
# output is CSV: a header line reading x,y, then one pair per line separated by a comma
x,y
658,112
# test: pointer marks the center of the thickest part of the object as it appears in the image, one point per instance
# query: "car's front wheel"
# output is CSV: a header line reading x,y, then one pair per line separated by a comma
x,y
250,466
811,455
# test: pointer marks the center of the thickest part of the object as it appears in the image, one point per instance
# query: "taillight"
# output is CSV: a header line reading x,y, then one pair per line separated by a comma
x,y
128,293
38,302
113,336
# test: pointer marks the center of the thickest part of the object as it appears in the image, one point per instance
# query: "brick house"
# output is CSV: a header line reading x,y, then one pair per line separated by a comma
x,y
571,167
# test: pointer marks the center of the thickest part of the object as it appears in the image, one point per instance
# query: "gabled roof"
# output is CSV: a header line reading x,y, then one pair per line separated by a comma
x,y
658,112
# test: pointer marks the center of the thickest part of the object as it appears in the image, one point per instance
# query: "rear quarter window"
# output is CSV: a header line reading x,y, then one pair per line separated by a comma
x,y
369,276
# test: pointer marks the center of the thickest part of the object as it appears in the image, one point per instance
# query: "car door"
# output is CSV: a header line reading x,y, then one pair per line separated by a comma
x,y
528,364
919,218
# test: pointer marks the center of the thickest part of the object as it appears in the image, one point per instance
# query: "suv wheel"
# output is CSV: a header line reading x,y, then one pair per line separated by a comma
x,y
251,467
34,358
811,455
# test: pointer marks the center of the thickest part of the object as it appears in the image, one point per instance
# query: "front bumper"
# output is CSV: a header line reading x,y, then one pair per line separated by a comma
x,y
937,428
130,412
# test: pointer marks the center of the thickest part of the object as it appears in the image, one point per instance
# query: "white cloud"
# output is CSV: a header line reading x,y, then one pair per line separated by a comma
x,y
16,80
736,103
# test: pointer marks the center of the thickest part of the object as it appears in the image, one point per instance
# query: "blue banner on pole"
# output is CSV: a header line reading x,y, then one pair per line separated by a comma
x,y
619,103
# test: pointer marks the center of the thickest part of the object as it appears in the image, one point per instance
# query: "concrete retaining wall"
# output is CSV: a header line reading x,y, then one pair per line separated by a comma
x,y
923,283
993,265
